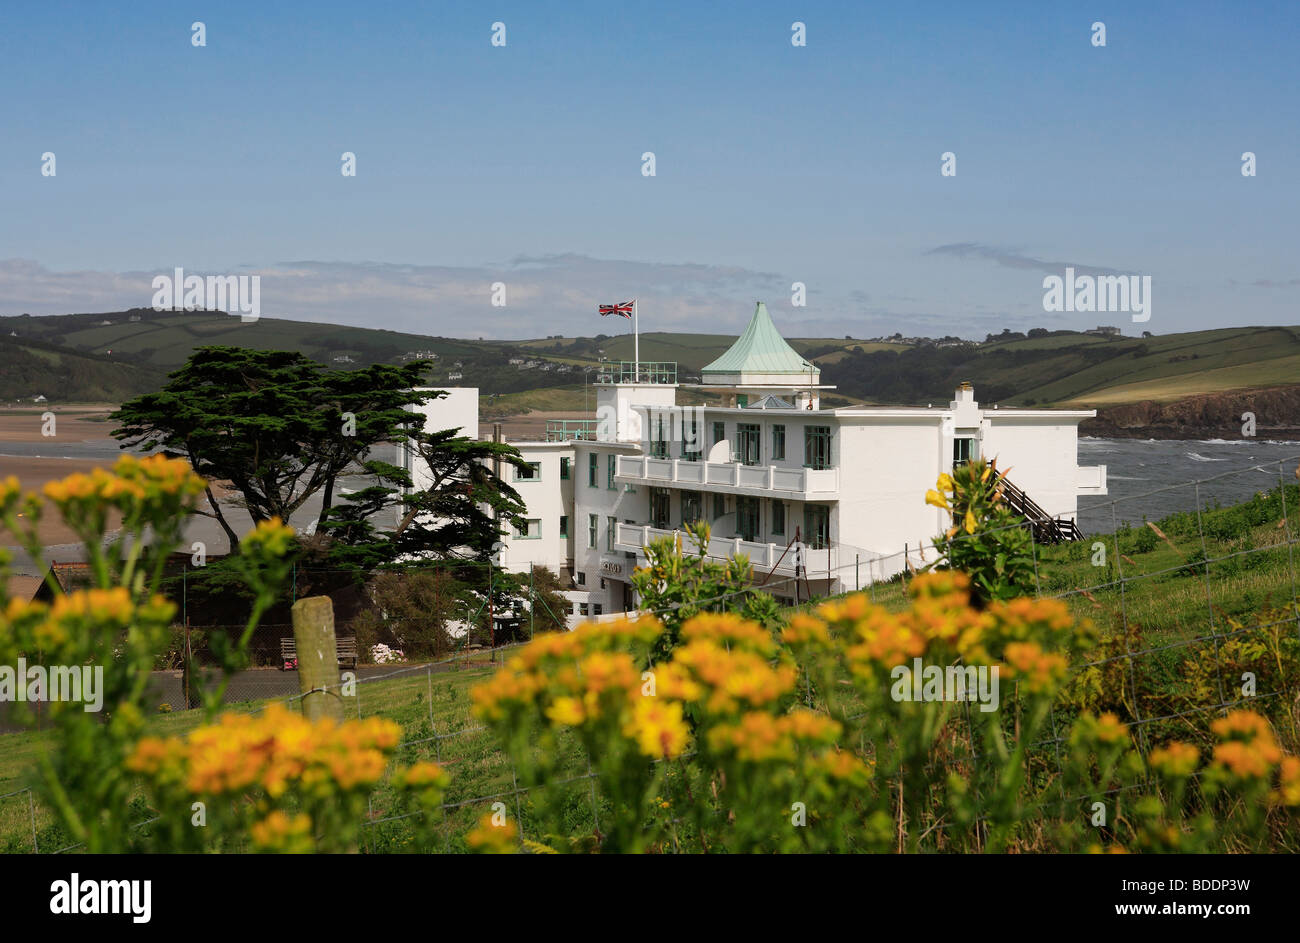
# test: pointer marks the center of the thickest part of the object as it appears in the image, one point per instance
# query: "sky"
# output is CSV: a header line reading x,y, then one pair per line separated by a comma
x,y
774,163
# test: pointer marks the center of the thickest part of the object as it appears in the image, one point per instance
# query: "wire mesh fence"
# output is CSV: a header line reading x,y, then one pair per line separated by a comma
x,y
1176,604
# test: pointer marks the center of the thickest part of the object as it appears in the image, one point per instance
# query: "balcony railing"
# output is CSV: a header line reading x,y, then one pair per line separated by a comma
x,y
568,430
801,482
633,537
627,371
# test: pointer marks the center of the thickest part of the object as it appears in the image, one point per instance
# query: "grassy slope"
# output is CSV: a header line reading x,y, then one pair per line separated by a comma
x,y
1067,369
31,368
1201,361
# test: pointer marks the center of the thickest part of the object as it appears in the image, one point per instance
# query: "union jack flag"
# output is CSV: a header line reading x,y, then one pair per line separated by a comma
x,y
623,309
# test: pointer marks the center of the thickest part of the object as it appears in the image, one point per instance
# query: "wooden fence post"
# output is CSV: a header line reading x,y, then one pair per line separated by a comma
x,y
318,658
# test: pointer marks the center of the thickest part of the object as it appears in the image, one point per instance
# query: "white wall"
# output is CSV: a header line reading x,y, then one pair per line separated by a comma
x,y
547,498
885,470
1040,457
605,503
458,409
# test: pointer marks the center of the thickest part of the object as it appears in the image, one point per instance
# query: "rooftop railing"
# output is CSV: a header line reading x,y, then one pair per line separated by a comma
x,y
569,430
626,371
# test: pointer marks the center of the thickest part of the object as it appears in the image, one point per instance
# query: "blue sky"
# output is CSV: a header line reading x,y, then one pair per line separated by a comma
x,y
775,164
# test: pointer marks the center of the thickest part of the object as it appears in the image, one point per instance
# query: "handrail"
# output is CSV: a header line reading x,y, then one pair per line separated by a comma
x,y
1046,529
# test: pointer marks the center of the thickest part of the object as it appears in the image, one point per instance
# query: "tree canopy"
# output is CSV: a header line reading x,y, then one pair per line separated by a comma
x,y
280,428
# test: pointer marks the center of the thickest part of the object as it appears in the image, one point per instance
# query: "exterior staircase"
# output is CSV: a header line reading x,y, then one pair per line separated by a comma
x,y
1047,529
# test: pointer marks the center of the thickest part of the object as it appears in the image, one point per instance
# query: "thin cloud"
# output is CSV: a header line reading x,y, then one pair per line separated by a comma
x,y
1012,259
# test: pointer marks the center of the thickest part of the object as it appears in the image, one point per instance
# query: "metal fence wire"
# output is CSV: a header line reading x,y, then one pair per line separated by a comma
x,y
1223,561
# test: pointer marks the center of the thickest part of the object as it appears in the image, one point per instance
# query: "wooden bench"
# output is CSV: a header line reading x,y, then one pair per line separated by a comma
x,y
347,649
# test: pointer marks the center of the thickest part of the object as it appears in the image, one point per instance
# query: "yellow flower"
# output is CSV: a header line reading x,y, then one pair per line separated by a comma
x,y
1288,790
658,727
1041,671
1175,759
936,499
281,833
971,522
492,839
566,711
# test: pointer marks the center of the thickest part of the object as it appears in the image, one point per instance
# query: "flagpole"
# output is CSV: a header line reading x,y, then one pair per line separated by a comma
x,y
636,343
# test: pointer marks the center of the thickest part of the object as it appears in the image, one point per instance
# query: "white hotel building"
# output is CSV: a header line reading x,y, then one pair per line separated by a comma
x,y
819,500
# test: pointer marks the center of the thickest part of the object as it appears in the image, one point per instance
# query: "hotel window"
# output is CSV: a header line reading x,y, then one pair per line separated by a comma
x,y
564,468
660,508
609,471
747,522
817,526
582,608
719,432
719,505
778,518
597,608
963,450
582,578
749,443
658,441
611,525
778,443
591,469
529,530
817,446
564,525
532,473
692,507
593,525
691,440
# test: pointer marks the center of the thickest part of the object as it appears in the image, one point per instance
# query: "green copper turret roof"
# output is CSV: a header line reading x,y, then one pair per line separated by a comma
x,y
761,349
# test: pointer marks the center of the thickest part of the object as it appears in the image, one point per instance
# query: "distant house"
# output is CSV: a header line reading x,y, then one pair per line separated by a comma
x,y
454,375
38,399
1104,331
343,358
68,577
133,318
516,361
102,323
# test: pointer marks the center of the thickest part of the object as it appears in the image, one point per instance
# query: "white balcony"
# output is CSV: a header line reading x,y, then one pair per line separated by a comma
x,y
820,484
632,538
1091,479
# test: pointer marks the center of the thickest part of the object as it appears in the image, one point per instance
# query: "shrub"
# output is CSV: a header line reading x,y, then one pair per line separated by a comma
x,y
987,540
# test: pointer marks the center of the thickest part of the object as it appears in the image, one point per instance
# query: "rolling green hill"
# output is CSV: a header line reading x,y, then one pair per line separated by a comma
x,y
1078,369
34,368
69,357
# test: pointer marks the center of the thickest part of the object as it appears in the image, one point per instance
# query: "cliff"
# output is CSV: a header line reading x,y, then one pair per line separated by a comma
x,y
1204,416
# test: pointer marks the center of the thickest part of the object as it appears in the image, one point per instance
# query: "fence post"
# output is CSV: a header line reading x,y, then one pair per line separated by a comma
x,y
31,807
318,658
857,572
